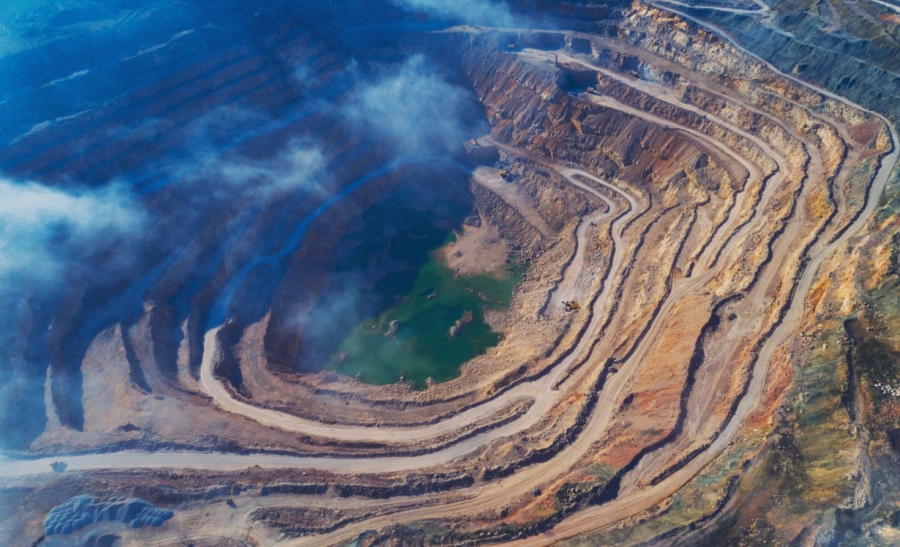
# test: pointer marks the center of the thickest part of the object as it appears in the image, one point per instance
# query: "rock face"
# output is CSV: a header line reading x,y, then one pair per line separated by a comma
x,y
460,324
392,329
85,510
202,98
99,539
705,333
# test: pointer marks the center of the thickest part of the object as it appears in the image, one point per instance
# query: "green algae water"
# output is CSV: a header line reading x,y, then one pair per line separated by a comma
x,y
412,339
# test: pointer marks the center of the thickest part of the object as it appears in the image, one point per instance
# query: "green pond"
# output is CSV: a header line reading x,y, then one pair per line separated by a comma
x,y
420,344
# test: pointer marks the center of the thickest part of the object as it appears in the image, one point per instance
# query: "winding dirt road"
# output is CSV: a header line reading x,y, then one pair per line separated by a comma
x,y
466,501
597,518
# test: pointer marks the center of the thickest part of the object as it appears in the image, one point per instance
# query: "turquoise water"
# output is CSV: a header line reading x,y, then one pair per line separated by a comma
x,y
421,345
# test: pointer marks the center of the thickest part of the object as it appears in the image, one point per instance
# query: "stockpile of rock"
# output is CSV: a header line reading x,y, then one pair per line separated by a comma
x,y
81,511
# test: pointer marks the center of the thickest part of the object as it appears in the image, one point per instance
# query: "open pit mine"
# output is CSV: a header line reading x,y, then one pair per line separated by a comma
x,y
424,272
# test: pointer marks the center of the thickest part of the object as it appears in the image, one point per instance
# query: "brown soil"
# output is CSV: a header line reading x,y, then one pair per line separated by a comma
x,y
477,250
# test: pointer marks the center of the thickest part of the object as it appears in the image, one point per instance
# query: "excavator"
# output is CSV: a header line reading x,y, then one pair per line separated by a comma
x,y
571,305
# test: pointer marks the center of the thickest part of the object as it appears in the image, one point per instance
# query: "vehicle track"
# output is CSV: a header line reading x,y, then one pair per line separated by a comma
x,y
598,518
492,494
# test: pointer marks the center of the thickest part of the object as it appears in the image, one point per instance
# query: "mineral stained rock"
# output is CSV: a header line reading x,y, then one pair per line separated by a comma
x,y
84,510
